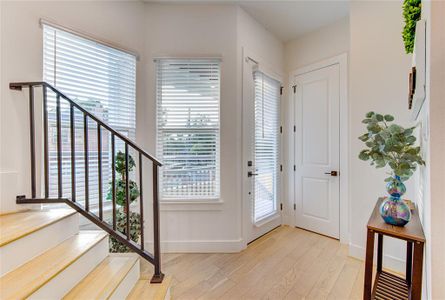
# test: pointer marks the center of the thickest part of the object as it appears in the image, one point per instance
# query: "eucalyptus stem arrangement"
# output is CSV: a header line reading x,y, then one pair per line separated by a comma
x,y
392,145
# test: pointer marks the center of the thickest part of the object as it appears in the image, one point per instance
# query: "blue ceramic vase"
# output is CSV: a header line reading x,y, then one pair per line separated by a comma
x,y
393,209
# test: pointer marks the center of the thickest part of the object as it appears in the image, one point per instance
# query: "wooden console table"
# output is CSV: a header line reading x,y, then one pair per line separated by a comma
x,y
387,285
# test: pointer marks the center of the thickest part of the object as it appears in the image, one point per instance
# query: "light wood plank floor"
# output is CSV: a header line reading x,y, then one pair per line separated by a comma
x,y
287,263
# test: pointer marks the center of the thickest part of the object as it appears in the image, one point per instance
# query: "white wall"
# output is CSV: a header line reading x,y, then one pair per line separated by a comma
x,y
378,75
21,60
326,42
194,31
323,43
433,176
152,30
437,148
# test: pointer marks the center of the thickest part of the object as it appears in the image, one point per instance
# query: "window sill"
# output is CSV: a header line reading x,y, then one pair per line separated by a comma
x,y
192,205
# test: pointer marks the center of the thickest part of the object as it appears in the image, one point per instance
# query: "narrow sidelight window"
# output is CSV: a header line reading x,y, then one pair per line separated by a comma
x,y
266,143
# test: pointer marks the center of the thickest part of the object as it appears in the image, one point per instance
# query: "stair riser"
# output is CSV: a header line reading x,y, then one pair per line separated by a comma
x,y
62,283
125,287
24,249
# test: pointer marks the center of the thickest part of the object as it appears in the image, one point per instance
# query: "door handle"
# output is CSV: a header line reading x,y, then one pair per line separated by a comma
x,y
250,174
332,173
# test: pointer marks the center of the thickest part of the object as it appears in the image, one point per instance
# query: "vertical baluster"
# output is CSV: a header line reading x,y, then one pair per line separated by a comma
x,y
157,277
113,179
127,189
141,200
45,142
99,167
32,141
85,144
73,153
59,147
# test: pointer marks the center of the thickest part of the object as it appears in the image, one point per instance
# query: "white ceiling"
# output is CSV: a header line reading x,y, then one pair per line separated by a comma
x,y
286,19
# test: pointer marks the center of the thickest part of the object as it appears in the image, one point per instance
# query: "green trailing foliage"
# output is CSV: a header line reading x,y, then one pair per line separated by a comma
x,y
411,12
121,213
390,145
121,225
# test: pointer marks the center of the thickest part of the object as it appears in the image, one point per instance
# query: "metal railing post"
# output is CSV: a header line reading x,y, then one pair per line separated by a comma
x,y
157,276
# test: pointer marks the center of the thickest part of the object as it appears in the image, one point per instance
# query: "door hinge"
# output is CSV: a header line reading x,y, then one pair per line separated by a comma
x,y
294,88
281,168
295,168
281,129
295,206
281,90
281,206
295,128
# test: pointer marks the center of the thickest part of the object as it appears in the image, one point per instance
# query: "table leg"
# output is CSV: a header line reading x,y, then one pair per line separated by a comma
x,y
368,265
409,262
416,286
379,252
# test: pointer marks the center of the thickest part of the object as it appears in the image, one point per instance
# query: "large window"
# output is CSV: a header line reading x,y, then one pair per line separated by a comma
x,y
100,78
188,94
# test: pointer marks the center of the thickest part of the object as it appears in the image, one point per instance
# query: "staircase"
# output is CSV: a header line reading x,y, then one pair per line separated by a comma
x,y
43,253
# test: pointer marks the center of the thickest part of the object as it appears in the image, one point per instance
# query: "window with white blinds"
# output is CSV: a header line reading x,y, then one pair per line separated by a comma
x,y
188,98
101,79
266,145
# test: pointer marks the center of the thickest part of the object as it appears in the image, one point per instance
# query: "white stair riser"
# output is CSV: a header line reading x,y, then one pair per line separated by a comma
x,y
125,287
60,285
24,249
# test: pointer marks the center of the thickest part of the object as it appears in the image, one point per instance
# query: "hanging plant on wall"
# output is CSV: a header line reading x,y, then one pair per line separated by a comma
x,y
411,13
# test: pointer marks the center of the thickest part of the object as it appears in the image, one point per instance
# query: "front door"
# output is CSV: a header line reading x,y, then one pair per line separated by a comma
x,y
261,140
317,134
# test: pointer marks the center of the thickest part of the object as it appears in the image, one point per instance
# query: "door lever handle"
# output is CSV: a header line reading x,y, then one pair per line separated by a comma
x,y
250,174
332,173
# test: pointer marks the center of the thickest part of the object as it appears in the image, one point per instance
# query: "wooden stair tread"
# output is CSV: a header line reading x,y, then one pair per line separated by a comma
x,y
104,279
17,225
26,279
146,290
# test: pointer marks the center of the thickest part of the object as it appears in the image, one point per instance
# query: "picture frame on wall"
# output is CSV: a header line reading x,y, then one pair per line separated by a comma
x,y
417,86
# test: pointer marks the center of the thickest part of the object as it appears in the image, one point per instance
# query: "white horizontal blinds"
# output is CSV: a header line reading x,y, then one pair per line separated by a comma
x,y
266,144
102,80
188,95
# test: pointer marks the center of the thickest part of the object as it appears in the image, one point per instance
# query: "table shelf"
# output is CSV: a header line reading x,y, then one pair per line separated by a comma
x,y
387,285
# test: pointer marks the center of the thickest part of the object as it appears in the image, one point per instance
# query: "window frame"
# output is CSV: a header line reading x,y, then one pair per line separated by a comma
x,y
185,203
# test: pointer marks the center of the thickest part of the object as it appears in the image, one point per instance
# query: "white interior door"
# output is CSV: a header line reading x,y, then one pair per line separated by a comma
x,y
317,135
261,140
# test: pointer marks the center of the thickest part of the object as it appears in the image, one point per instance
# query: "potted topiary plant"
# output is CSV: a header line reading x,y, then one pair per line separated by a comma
x,y
121,211
391,145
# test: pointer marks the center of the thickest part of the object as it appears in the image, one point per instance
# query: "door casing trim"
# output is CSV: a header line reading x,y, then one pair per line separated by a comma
x,y
342,61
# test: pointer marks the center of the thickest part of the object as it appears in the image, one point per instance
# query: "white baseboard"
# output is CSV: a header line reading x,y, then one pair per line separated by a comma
x,y
389,262
200,246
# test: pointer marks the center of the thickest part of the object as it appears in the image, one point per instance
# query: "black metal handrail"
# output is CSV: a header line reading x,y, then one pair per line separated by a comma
x,y
85,210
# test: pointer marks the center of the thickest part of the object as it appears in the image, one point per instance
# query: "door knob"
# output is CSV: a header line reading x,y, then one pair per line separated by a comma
x,y
332,173
250,174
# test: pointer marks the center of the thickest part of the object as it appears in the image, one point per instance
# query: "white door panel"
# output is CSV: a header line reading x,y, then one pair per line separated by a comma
x,y
317,150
